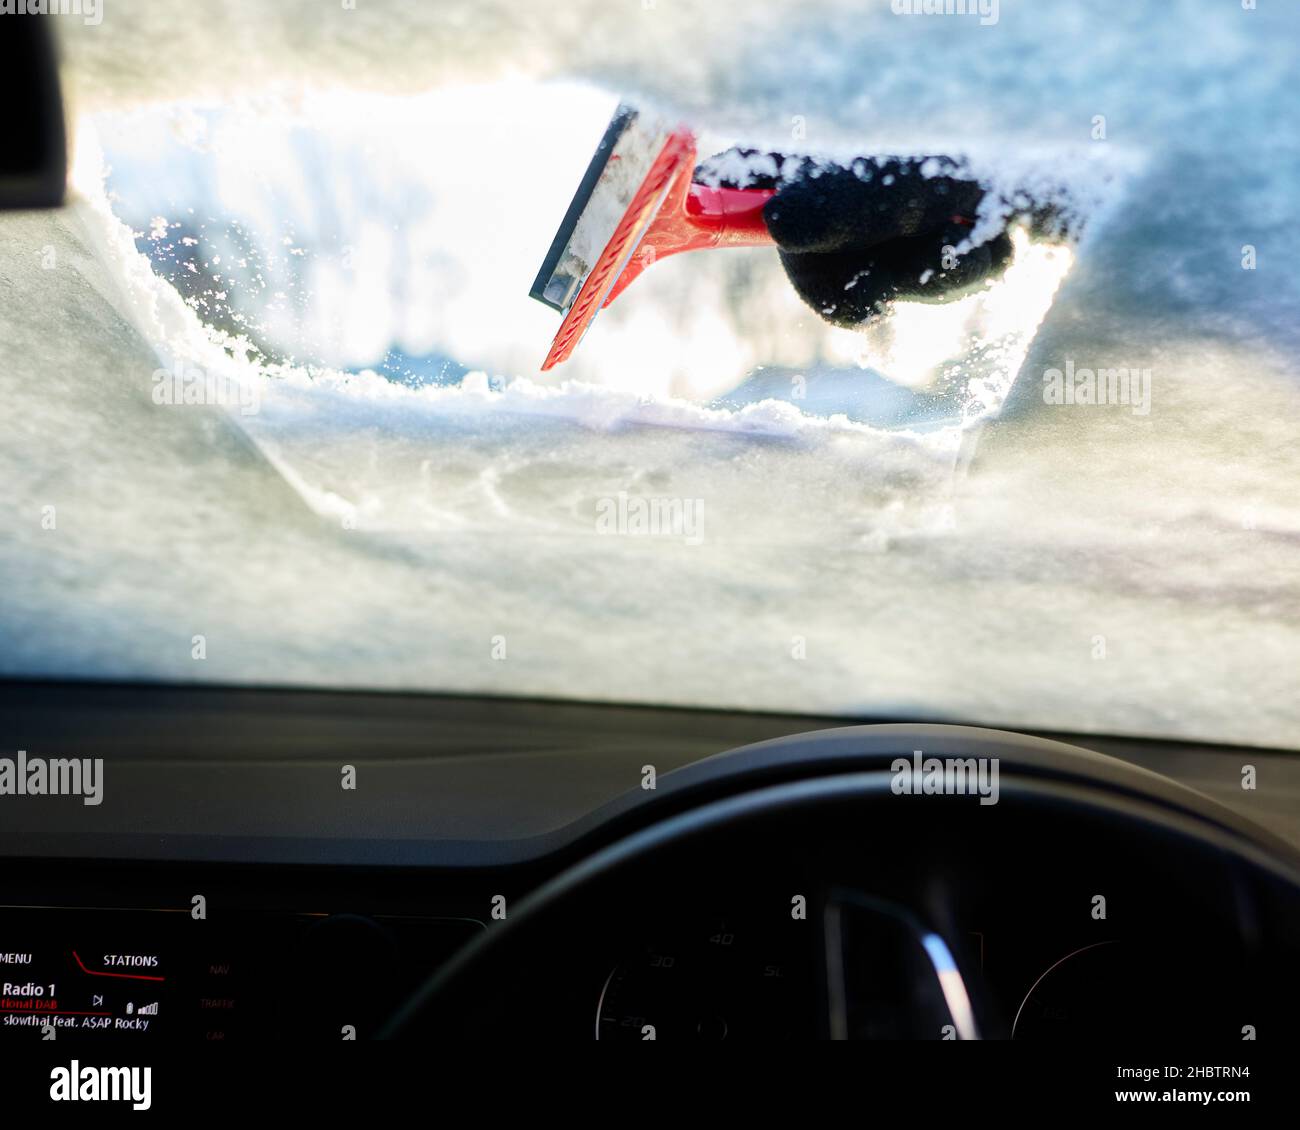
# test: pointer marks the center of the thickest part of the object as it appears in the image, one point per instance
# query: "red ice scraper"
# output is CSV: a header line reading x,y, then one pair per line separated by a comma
x,y
636,203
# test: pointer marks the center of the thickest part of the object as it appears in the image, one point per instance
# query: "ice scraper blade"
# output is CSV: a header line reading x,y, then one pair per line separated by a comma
x,y
635,204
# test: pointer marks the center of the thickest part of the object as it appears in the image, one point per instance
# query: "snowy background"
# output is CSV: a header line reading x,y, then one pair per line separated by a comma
x,y
364,195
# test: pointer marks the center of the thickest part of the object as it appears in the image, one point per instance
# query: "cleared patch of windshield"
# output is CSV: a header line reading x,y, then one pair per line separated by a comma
x,y
326,238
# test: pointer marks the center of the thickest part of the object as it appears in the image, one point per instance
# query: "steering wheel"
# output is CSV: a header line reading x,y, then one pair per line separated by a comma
x,y
876,843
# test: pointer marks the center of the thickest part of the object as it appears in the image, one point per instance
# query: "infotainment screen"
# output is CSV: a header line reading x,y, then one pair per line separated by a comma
x,y
145,974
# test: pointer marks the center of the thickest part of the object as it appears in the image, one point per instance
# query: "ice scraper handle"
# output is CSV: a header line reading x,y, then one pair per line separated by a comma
x,y
695,217
735,214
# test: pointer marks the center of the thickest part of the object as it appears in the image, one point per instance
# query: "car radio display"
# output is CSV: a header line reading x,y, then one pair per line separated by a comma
x,y
142,974
126,974
54,989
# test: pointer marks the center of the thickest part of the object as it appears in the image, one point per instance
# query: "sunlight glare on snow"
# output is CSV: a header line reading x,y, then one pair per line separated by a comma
x,y
918,340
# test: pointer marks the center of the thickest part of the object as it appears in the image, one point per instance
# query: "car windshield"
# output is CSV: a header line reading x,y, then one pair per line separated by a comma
x,y
326,228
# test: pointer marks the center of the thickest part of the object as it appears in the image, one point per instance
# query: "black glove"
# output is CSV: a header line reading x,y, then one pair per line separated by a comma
x,y
853,239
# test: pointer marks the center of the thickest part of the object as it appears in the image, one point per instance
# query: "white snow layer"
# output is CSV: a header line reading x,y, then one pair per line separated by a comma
x,y
1091,568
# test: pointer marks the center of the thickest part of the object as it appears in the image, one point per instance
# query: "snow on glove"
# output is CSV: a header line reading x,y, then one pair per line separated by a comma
x,y
853,239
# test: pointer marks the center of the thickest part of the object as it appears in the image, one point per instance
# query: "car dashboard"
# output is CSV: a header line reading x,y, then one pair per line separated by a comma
x,y
240,894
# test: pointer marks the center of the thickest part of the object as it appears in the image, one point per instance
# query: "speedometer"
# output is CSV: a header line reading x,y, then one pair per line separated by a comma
x,y
722,979
1139,989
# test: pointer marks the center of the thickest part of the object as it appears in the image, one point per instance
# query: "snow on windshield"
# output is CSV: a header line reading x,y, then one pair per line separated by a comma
x,y
908,523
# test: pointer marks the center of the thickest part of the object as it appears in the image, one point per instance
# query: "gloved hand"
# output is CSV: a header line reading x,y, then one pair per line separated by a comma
x,y
852,239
